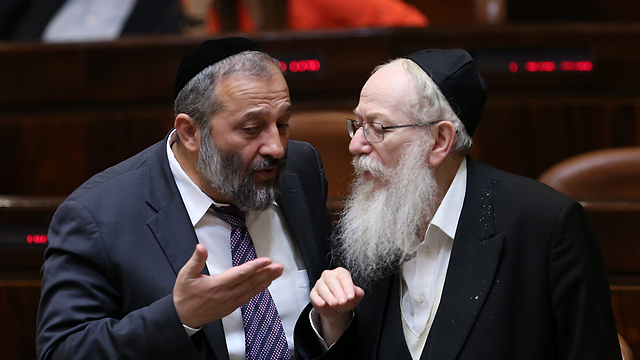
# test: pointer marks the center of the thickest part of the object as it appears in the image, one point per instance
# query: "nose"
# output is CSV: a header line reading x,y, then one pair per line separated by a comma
x,y
359,144
275,143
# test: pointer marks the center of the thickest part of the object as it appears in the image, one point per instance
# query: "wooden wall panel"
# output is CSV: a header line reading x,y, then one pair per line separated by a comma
x,y
52,153
18,310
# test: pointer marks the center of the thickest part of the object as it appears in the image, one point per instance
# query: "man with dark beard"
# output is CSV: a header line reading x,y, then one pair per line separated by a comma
x,y
204,245
445,257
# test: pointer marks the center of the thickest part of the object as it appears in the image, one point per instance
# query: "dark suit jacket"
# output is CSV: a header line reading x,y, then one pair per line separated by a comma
x,y
117,244
525,281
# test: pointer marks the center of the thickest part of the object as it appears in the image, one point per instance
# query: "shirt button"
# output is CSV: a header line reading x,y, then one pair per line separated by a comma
x,y
421,299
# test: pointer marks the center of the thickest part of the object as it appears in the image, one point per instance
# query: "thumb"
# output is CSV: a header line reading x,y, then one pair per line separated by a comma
x,y
196,263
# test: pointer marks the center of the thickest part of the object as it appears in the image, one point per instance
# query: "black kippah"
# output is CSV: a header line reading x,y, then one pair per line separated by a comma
x,y
208,53
455,74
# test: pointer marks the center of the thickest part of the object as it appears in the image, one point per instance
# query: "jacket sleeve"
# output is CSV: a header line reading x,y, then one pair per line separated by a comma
x,y
81,315
585,325
308,347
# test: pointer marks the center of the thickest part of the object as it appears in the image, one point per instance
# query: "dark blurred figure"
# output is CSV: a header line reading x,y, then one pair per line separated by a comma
x,y
86,20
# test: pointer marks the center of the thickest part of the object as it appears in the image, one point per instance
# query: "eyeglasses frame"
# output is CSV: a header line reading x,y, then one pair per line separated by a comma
x,y
351,123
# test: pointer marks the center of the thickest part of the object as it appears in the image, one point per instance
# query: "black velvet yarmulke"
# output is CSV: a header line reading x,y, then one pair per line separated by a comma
x,y
455,74
208,53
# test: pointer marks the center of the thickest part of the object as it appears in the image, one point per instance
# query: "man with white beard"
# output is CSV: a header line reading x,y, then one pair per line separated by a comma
x,y
444,257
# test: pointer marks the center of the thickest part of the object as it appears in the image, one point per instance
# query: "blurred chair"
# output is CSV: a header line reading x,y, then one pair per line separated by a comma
x,y
602,175
607,184
327,132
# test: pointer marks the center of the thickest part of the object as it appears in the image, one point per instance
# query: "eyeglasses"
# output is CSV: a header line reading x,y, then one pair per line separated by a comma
x,y
374,132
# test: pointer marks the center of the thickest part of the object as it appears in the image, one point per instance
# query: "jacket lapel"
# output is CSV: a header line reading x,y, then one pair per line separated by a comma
x,y
373,313
292,202
474,260
173,230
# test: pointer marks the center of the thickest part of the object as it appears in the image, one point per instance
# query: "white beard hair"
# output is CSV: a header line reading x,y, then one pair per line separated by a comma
x,y
386,218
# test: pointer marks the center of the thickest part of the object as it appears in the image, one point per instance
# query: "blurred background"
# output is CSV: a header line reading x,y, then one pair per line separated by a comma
x,y
85,84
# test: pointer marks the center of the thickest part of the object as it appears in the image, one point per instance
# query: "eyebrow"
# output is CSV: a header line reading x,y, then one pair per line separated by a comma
x,y
255,113
375,116
263,112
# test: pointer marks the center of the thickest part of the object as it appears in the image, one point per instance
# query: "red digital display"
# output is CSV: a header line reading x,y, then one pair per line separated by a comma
x,y
37,239
550,66
300,66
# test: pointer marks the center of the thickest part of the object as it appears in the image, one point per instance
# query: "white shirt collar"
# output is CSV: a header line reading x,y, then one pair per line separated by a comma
x,y
448,214
195,200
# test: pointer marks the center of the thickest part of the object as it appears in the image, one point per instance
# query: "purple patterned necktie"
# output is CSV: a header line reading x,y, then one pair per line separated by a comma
x,y
263,333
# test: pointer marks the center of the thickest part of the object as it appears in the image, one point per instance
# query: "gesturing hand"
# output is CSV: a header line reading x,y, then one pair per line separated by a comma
x,y
334,297
201,299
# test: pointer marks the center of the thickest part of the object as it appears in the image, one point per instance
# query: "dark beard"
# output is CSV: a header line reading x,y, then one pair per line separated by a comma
x,y
225,172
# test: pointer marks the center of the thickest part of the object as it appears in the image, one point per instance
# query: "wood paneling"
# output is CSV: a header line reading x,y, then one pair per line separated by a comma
x,y
18,310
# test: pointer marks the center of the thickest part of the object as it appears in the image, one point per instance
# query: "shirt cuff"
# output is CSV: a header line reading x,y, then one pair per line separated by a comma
x,y
191,331
316,325
323,344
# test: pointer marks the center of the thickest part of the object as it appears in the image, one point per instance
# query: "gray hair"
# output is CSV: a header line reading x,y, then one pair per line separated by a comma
x,y
432,105
198,98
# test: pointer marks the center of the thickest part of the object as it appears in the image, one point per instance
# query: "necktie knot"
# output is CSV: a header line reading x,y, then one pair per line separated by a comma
x,y
231,214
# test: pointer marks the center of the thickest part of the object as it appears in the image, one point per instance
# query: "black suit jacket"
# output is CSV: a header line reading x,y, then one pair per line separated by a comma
x,y
525,281
117,244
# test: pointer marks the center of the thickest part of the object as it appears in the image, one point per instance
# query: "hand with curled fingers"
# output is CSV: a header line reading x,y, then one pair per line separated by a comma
x,y
200,299
333,298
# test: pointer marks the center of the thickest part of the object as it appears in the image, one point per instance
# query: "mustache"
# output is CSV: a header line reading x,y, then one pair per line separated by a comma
x,y
363,163
265,162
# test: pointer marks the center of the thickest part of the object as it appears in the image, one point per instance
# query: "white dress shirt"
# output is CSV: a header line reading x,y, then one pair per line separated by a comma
x,y
88,20
270,237
423,276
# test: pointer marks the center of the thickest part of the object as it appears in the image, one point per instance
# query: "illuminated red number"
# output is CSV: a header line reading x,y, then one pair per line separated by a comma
x,y
37,239
513,66
567,66
584,66
293,66
532,66
548,66
302,65
282,65
314,65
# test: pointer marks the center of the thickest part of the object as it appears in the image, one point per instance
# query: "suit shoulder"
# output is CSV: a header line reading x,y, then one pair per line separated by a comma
x,y
524,189
301,155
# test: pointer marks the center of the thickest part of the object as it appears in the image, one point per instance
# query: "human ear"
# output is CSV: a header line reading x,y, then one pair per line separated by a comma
x,y
188,132
444,138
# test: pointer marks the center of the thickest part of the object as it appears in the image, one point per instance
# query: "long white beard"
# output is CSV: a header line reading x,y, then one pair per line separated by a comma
x,y
386,218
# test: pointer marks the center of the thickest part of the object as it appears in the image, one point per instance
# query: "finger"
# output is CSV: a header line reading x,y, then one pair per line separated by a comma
x,y
336,287
359,293
240,273
250,288
325,293
316,300
258,281
347,285
194,266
